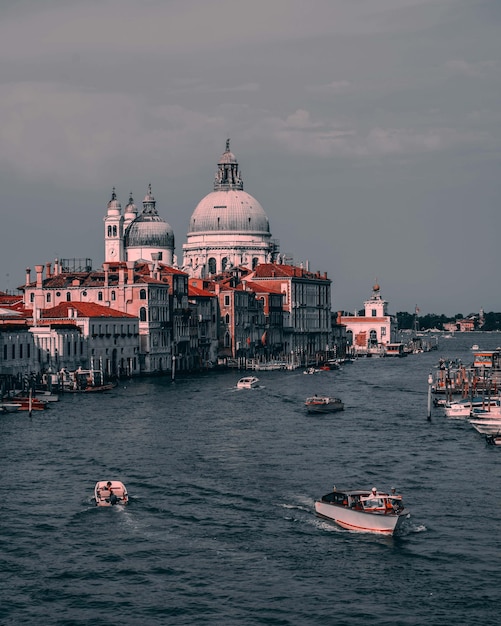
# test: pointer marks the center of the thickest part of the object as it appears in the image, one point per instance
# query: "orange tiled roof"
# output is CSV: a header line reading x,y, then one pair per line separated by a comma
x,y
84,309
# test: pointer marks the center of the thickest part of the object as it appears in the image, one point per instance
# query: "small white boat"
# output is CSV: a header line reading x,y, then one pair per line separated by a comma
x,y
363,511
464,408
485,426
323,404
474,346
110,493
9,407
248,382
312,370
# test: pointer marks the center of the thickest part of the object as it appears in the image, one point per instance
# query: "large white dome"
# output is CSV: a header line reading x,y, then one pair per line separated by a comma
x,y
229,210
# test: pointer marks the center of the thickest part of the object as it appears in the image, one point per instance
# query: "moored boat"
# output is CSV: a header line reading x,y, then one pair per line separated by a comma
x,y
323,404
248,382
9,407
110,493
370,511
26,403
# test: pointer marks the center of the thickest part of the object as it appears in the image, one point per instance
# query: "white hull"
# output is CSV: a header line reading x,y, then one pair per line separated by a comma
x,y
360,521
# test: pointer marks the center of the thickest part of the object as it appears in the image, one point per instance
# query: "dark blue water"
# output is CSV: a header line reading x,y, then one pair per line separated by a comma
x,y
220,528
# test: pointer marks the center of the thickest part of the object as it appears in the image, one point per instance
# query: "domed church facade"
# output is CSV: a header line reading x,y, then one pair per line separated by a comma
x,y
228,227
133,237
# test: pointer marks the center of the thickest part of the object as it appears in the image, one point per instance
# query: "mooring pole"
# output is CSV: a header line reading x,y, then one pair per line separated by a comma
x,y
430,383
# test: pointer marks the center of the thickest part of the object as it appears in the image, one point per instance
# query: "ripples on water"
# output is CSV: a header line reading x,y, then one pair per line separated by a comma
x,y
220,527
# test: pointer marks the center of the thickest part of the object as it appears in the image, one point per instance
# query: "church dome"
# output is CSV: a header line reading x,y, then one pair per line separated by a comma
x,y
149,230
229,207
229,210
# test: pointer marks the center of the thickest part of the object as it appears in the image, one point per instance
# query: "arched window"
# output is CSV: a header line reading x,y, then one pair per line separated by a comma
x,y
32,297
142,314
68,296
113,295
255,261
212,265
109,231
227,341
114,231
100,296
224,263
142,294
48,297
373,338
227,318
349,337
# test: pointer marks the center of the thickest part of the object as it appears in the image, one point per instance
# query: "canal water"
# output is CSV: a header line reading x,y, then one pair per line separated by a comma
x,y
221,526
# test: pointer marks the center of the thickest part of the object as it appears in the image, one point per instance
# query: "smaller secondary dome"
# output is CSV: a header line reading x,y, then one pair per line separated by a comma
x,y
149,230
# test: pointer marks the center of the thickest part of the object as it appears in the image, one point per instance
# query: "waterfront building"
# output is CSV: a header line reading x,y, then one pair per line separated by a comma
x,y
205,318
228,228
306,307
84,335
372,331
142,289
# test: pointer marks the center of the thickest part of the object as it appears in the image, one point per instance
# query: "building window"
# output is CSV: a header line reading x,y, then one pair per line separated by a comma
x,y
212,265
226,300
224,263
255,261
227,342
32,297
13,351
21,351
383,331
100,296
142,314
227,318
5,353
113,295
48,297
114,231
374,313
68,296
142,294
109,231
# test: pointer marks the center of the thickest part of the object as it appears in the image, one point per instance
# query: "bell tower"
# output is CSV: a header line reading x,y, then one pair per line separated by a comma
x,y
113,231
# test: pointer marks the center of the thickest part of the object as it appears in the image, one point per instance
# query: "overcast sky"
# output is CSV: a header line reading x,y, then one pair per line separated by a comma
x,y
369,130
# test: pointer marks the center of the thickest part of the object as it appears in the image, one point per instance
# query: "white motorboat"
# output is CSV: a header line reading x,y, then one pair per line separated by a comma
x,y
323,404
363,511
486,426
463,408
248,382
110,493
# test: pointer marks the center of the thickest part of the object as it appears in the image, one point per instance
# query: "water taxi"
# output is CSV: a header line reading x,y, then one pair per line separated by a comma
x,y
110,493
363,511
248,382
